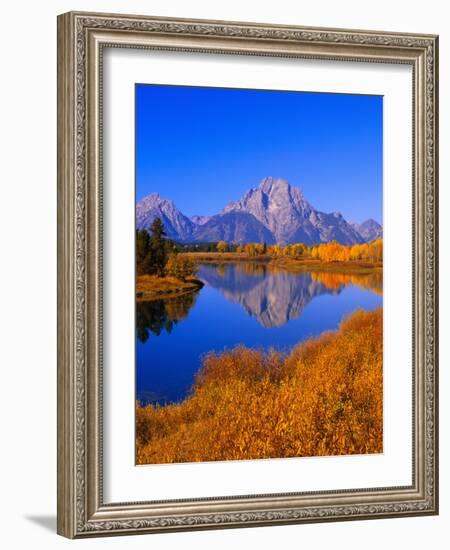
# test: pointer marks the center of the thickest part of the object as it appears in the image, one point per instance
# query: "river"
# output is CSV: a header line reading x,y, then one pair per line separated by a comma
x,y
245,303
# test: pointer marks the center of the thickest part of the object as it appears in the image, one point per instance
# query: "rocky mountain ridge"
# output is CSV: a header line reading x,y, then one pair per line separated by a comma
x,y
273,212
369,230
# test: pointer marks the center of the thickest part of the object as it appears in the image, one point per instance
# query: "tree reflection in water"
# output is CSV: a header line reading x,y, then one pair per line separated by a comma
x,y
158,315
369,281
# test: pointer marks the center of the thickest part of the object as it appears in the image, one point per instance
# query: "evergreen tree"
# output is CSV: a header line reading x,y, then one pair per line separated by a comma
x,y
157,230
144,258
158,246
152,249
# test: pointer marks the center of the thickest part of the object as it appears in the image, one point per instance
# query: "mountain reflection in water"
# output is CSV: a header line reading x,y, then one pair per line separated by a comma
x,y
274,296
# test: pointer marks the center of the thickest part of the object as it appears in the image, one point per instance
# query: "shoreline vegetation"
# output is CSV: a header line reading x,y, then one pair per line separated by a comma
x,y
298,257
160,271
289,263
151,287
325,397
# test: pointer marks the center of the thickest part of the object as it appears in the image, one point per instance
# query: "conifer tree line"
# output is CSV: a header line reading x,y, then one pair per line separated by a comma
x,y
157,255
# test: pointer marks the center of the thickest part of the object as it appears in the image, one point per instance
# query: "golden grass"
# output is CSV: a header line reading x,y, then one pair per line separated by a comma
x,y
299,265
324,398
151,287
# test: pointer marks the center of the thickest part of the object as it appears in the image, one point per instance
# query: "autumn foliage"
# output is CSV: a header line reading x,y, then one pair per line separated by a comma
x,y
332,251
335,252
180,266
324,398
326,252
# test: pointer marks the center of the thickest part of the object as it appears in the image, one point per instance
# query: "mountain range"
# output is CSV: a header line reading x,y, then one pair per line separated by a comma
x,y
273,212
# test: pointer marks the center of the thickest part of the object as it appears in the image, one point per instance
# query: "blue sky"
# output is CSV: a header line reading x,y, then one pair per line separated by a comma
x,y
204,147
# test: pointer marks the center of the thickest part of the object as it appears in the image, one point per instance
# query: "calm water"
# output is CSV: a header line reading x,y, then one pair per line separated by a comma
x,y
243,303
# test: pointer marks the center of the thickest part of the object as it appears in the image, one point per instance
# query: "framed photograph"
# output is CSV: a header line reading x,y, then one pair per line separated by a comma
x,y
247,274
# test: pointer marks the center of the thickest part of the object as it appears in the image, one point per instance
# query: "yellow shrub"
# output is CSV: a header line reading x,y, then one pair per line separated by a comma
x,y
324,398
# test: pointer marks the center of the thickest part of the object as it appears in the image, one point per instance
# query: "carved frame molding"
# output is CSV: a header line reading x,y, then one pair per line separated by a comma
x,y
81,39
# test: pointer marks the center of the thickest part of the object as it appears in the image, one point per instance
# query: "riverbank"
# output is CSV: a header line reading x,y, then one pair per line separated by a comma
x,y
225,257
324,398
300,265
151,287
292,264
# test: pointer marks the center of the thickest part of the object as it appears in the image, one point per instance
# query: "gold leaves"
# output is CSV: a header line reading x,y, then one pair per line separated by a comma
x,y
324,398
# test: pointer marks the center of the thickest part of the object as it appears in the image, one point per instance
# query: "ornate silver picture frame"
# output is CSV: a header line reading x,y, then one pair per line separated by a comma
x,y
82,40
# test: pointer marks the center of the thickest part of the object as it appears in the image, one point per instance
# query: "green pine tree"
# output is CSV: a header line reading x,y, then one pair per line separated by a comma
x,y
158,246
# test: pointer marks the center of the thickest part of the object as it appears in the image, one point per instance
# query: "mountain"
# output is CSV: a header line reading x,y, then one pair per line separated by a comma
x,y
369,230
273,212
177,225
233,227
200,220
284,210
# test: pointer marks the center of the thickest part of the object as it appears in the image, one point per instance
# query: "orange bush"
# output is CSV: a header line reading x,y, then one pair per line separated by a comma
x,y
324,398
335,252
